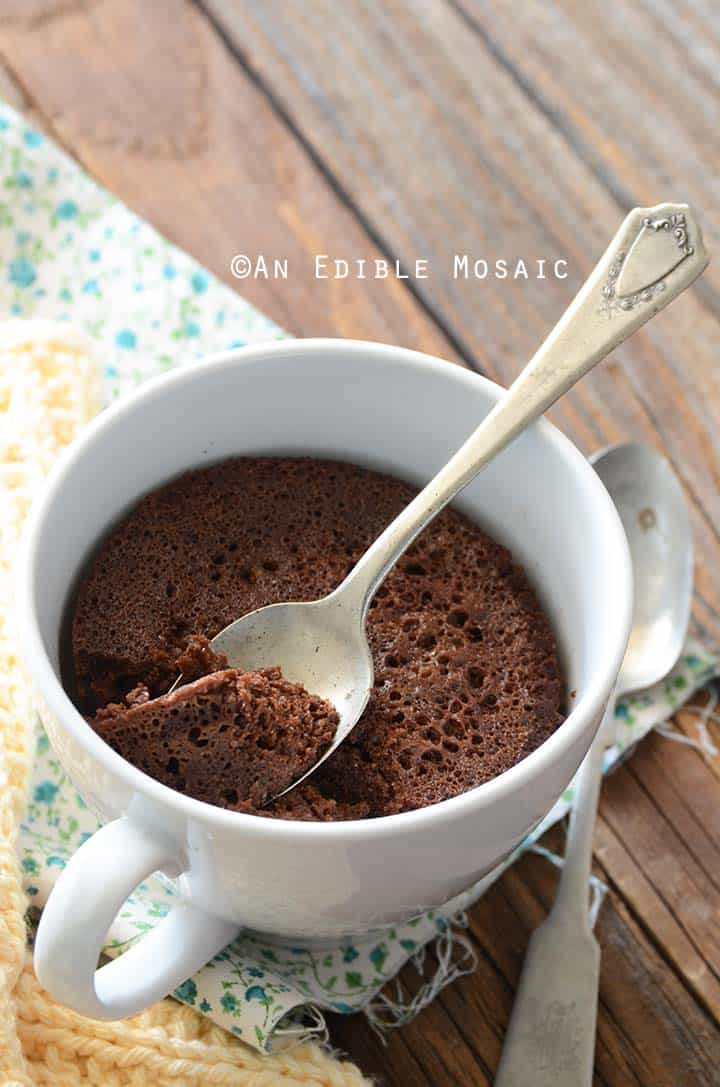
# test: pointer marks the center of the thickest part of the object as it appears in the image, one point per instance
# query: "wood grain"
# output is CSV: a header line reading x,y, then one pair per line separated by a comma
x,y
442,149
230,178
647,1019
418,129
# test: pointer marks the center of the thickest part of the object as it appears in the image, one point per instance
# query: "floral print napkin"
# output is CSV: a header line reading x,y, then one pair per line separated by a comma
x,y
69,251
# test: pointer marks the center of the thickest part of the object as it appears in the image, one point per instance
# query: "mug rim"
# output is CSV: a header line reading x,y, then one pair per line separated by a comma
x,y
589,703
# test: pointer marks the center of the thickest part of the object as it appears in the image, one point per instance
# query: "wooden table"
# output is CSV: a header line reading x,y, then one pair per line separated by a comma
x,y
414,130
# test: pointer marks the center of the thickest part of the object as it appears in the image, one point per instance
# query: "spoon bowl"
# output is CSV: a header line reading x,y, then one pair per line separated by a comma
x,y
654,514
318,645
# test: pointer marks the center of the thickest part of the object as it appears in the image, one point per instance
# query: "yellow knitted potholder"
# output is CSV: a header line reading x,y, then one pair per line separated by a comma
x,y
49,388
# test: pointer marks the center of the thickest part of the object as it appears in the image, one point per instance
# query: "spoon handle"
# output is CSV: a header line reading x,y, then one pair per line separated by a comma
x,y
550,1040
655,255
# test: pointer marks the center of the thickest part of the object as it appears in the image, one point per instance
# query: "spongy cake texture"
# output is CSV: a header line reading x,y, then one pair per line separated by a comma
x,y
228,738
467,678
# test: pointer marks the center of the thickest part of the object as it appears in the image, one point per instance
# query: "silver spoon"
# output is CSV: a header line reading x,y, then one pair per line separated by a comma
x,y
550,1041
655,255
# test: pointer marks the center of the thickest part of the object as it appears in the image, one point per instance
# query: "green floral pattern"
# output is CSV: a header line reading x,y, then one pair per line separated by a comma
x,y
71,252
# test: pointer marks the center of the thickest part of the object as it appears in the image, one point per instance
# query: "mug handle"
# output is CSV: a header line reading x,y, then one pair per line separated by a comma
x,y
87,896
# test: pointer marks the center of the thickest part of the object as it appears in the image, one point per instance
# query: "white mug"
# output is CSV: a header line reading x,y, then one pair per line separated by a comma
x,y
388,409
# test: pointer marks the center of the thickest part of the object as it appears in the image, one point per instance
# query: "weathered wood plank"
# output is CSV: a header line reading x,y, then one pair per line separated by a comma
x,y
648,1020
443,150
167,120
649,819
634,89
682,786
389,1064
656,918
449,1050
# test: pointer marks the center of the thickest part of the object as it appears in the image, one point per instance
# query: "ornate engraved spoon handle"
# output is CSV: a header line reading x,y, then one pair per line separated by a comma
x,y
655,255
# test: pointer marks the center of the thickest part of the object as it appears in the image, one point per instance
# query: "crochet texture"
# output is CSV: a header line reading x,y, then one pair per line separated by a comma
x,y
49,388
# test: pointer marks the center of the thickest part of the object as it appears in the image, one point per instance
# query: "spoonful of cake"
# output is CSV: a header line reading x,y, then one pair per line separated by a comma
x,y
322,644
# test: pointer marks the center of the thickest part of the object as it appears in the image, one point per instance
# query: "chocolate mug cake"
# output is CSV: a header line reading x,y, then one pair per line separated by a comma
x,y
467,676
